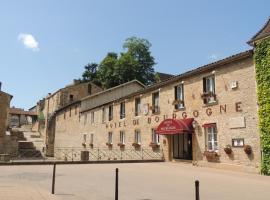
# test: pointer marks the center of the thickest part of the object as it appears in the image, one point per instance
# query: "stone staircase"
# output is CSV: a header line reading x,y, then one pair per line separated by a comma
x,y
30,144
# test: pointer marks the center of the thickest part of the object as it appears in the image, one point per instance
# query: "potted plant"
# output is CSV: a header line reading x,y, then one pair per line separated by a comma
x,y
121,144
228,149
109,144
91,145
84,145
211,154
154,145
248,149
136,145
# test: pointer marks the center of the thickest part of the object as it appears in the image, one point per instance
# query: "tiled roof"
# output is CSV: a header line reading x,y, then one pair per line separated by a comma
x,y
19,111
262,33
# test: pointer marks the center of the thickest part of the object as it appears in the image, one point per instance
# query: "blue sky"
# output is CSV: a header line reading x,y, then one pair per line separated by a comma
x,y
45,44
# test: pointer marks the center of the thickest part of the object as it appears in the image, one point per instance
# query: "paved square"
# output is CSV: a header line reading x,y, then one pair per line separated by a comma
x,y
145,181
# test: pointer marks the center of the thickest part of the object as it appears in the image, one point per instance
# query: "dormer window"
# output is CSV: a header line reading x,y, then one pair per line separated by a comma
x,y
209,91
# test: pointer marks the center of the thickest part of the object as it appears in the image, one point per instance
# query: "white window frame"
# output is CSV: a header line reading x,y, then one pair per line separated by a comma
x,y
137,137
93,117
180,95
210,86
110,113
122,137
110,137
155,102
211,133
155,137
122,110
137,106
92,138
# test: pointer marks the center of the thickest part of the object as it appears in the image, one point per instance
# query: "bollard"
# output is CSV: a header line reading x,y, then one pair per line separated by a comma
x,y
116,183
197,192
53,179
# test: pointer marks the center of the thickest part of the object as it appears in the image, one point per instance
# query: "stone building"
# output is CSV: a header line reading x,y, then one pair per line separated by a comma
x,y
208,116
19,117
66,96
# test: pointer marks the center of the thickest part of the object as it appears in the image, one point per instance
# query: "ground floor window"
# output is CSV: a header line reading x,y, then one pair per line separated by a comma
x,y
155,137
211,137
110,138
122,137
137,137
92,138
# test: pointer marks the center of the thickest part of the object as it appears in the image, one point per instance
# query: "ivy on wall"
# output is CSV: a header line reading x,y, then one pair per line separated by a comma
x,y
262,66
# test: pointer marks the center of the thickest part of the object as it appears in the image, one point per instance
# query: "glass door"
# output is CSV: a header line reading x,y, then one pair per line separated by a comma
x,y
182,146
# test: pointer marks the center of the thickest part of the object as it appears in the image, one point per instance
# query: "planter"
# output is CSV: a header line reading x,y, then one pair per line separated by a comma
x,y
91,145
208,94
109,144
228,149
154,145
211,156
121,145
84,145
136,145
248,149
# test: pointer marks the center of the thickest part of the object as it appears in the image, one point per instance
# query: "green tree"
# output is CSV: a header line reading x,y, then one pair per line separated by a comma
x,y
135,63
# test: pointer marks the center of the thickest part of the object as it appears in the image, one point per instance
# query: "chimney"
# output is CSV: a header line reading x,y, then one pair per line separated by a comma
x,y
0,85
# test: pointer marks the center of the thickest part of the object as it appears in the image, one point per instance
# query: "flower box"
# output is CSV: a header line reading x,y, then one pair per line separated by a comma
x,y
211,154
91,145
177,102
208,94
109,144
228,149
154,145
135,144
121,144
248,149
84,145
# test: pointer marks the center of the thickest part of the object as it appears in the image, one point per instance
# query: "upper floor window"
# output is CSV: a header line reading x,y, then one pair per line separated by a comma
x,y
110,113
211,137
137,106
209,93
89,89
179,96
155,103
91,138
92,117
122,110
103,114
71,98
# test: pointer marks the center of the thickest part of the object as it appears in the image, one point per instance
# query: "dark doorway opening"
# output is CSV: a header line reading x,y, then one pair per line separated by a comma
x,y
182,146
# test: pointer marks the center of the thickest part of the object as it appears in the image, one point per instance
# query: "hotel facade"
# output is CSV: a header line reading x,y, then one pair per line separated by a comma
x,y
207,116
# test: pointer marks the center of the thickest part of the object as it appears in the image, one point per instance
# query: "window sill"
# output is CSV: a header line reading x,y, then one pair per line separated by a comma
x,y
180,109
213,103
154,145
121,144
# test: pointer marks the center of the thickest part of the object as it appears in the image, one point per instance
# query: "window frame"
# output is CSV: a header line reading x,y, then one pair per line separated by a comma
x,y
155,138
122,137
137,106
155,103
209,89
179,95
122,111
211,132
110,113
137,136
92,117
110,138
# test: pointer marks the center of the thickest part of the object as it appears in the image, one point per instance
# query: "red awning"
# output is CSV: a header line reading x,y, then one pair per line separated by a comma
x,y
209,125
175,126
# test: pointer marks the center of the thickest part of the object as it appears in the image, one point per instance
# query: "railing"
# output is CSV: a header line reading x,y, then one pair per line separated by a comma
x,y
106,154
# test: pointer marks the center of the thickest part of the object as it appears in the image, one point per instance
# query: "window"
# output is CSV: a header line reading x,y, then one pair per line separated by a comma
x,y
89,89
92,117
85,119
137,106
70,109
76,111
155,137
92,138
155,102
84,138
209,89
122,110
71,98
122,137
211,138
179,96
137,137
110,113
103,114
110,138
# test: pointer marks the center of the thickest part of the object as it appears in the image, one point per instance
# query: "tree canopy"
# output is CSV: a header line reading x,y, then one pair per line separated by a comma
x,y
136,62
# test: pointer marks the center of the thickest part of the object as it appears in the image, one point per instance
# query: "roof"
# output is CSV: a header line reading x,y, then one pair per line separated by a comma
x,y
164,76
114,88
262,33
19,111
204,68
6,94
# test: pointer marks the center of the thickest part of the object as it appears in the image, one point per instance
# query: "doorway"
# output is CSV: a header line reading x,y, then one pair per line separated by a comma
x,y
182,146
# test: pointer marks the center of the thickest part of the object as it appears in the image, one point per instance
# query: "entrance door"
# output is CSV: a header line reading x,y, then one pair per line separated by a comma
x,y
182,146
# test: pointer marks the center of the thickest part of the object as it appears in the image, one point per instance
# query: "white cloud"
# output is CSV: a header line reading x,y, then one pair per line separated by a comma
x,y
28,41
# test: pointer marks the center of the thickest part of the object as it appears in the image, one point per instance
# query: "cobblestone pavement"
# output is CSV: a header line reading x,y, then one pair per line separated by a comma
x,y
145,181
